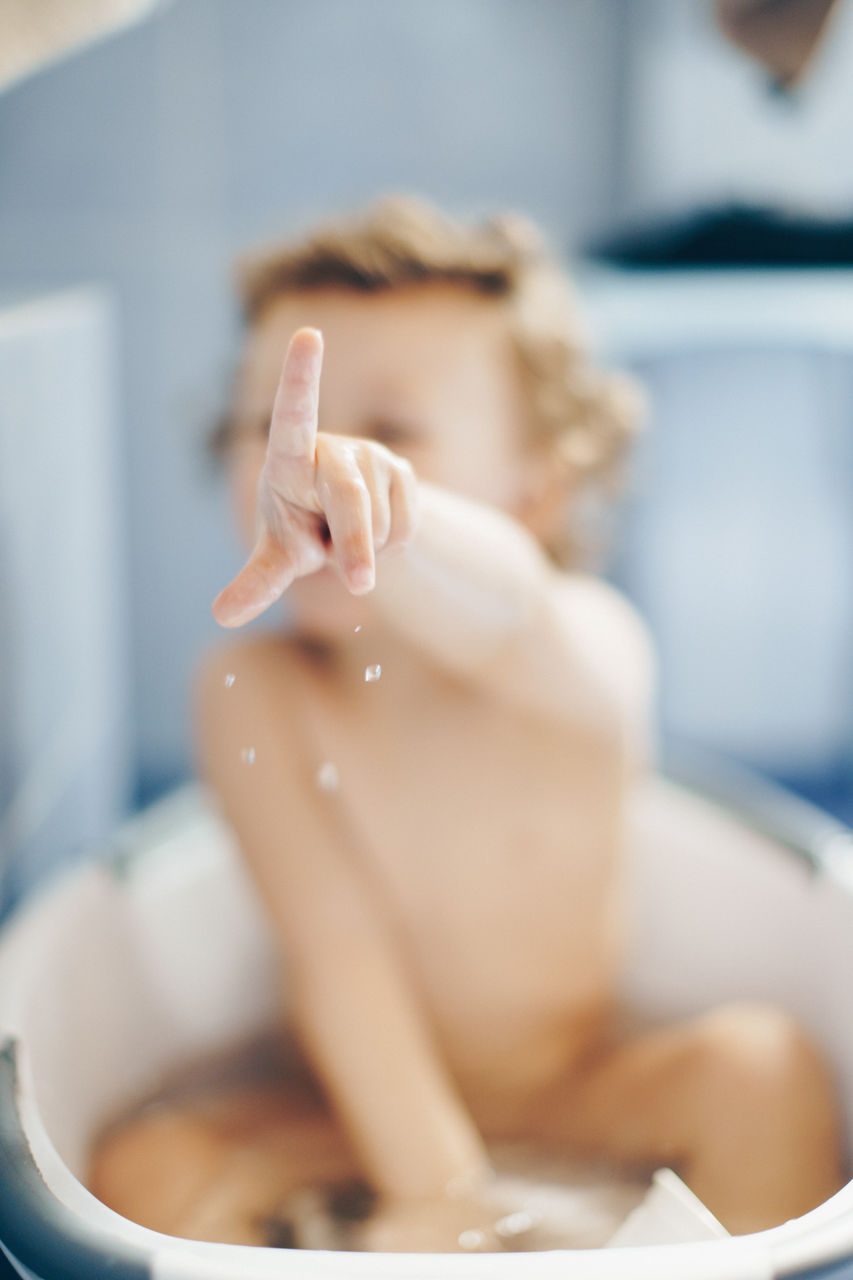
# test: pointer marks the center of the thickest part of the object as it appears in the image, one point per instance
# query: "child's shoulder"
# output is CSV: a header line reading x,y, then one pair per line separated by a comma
x,y
608,607
607,611
611,641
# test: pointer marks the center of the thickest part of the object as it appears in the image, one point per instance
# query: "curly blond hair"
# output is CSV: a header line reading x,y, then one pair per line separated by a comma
x,y
586,416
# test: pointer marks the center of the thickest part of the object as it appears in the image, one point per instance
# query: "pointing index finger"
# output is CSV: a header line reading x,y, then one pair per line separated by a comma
x,y
293,430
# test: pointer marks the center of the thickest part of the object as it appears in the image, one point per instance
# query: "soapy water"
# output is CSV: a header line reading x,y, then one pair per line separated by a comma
x,y
372,673
510,1227
568,1210
326,776
247,755
229,679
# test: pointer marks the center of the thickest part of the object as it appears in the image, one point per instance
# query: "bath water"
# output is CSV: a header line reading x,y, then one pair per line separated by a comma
x,y
254,1110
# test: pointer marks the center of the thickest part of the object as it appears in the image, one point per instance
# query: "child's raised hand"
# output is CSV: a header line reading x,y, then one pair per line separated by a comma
x,y
321,498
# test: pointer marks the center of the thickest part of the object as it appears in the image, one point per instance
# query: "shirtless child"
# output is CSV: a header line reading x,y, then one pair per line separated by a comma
x,y
440,849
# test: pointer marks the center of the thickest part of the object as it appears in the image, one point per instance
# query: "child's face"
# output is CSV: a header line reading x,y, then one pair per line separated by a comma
x,y
427,370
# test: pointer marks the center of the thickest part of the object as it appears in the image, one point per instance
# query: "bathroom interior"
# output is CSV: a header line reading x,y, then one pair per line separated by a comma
x,y
691,161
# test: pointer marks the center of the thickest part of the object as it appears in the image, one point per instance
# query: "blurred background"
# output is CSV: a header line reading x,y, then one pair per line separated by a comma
x,y
693,161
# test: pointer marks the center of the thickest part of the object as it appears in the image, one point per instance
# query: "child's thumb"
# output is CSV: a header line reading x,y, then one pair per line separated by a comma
x,y
266,575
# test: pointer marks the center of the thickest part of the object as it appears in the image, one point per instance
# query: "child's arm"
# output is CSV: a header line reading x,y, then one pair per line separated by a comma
x,y
474,588
349,997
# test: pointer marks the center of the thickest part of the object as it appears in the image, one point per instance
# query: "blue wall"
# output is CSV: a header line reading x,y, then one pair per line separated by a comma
x,y
147,161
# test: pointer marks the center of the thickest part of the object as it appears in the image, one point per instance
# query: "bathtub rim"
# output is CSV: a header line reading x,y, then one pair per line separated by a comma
x,y
52,1238
43,1222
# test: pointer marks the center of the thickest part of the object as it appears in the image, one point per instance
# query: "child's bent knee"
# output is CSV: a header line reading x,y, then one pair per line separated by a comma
x,y
766,1141
755,1044
765,1083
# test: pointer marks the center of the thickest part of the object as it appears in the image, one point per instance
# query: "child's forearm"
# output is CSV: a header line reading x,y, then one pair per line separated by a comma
x,y
471,580
367,1042
477,593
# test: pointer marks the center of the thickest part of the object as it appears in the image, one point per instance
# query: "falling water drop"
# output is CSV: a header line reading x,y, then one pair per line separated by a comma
x,y
229,679
372,673
358,628
247,755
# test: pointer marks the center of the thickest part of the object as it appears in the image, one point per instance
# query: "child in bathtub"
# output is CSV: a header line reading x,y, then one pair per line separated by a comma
x,y
429,769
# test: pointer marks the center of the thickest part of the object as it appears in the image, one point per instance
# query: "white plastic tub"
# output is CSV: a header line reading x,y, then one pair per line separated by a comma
x,y
125,969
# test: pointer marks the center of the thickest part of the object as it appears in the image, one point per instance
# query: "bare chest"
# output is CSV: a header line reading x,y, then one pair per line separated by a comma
x,y
493,844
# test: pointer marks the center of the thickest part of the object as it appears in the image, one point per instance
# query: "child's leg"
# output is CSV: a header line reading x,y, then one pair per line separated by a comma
x,y
219,1168
737,1101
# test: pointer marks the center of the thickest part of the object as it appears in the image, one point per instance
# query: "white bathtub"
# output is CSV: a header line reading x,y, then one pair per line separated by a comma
x,y
118,973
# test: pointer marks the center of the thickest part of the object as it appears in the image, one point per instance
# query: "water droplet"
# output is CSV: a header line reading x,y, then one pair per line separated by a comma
x,y
358,628
229,679
326,776
372,673
472,1239
247,755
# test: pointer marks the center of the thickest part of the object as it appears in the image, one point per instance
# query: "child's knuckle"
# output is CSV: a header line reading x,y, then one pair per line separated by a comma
x,y
353,490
